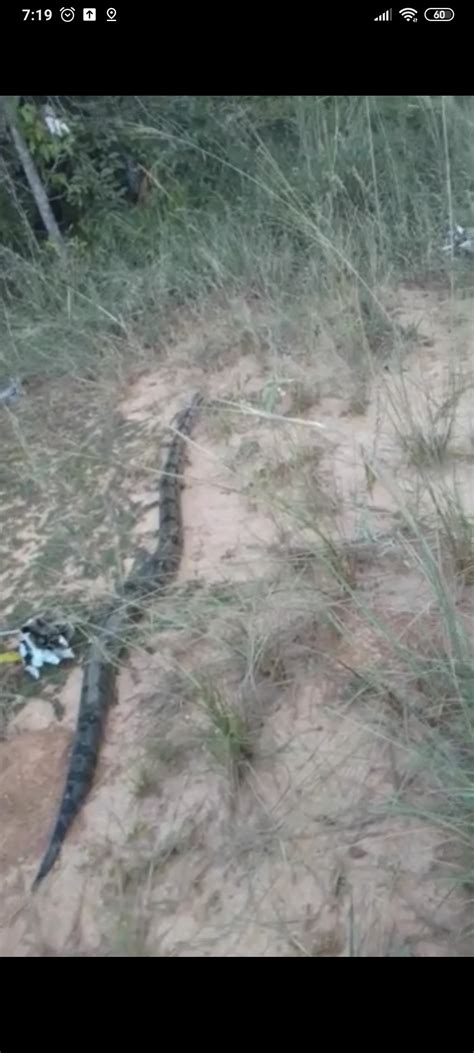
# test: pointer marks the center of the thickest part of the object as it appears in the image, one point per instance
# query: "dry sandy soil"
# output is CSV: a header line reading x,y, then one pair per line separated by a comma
x,y
317,842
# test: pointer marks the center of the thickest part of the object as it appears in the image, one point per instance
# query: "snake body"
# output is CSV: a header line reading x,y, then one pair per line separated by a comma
x,y
153,573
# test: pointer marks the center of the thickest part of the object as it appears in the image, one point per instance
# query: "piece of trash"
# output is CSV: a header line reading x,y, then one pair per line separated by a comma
x,y
10,656
459,239
44,642
12,391
55,125
34,657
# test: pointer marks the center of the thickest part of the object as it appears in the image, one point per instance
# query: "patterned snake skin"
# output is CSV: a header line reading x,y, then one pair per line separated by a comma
x,y
153,573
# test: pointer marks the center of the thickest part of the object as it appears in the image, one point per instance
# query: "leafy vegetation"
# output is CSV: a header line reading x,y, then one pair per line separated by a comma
x,y
280,194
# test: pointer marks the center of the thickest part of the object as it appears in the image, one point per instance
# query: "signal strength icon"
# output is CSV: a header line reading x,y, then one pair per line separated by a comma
x,y
386,17
409,14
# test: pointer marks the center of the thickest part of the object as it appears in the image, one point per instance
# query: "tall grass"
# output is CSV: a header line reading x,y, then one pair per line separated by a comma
x,y
280,195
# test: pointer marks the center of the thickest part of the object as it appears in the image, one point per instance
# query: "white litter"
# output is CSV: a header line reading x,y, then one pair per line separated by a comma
x,y
42,643
11,392
460,239
55,125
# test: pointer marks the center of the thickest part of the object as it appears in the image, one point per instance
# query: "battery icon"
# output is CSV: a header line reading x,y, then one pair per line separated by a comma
x,y
439,14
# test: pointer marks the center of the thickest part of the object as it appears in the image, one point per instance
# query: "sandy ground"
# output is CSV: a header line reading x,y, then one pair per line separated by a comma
x,y
307,855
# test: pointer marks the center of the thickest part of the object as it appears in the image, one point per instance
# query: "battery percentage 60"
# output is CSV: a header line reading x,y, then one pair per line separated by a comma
x,y
439,14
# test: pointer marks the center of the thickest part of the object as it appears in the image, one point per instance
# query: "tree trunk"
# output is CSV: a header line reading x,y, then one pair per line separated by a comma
x,y
31,173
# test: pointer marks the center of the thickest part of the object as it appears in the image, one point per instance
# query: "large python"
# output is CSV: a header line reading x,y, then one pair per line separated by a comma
x,y
148,575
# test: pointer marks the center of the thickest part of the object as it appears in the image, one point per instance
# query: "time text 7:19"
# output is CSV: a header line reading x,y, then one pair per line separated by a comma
x,y
47,14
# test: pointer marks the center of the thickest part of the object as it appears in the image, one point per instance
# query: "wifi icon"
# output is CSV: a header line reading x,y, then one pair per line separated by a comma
x,y
409,14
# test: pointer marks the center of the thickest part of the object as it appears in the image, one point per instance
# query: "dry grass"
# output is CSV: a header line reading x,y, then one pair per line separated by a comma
x,y
425,424
229,736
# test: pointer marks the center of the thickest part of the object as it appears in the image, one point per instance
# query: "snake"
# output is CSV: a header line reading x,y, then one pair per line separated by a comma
x,y
149,576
